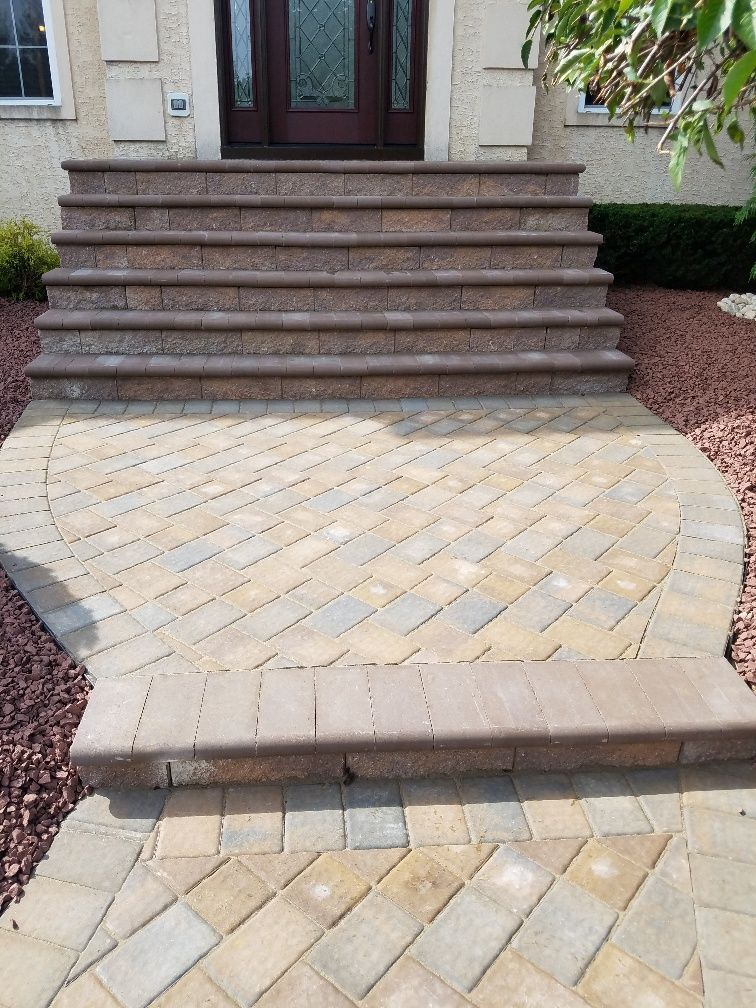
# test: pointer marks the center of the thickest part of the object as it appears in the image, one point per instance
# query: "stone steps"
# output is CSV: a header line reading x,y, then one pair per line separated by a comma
x,y
324,213
464,278
332,251
322,376
323,178
300,290
101,331
375,721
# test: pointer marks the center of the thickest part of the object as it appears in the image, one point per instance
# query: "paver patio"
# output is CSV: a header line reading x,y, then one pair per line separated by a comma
x,y
203,537
344,533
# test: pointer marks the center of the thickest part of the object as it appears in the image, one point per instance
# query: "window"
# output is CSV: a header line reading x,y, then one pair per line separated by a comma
x,y
588,103
27,71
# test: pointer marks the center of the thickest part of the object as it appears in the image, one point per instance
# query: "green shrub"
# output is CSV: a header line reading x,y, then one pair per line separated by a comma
x,y
25,254
686,247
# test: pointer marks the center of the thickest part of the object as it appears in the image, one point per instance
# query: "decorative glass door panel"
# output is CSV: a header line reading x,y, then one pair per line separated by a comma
x,y
322,62
323,73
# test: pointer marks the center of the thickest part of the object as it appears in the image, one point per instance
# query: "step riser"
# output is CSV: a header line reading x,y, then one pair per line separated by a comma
x,y
172,341
233,218
271,257
304,299
166,388
268,183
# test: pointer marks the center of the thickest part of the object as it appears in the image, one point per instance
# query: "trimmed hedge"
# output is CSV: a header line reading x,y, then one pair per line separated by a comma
x,y
25,256
690,247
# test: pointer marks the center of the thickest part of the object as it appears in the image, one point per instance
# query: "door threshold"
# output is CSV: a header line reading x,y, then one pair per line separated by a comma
x,y
322,152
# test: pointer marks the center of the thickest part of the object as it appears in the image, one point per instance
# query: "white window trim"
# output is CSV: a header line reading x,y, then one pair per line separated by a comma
x,y
61,105
578,113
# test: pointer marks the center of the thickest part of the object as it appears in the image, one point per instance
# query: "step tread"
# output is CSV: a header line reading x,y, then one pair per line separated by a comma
x,y
56,365
58,318
320,202
89,276
462,706
325,238
238,165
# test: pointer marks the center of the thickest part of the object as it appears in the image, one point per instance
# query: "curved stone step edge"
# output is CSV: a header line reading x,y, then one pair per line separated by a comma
x,y
93,277
538,711
331,365
335,239
58,318
239,165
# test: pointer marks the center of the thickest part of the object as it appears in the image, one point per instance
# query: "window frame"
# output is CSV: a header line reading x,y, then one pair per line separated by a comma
x,y
583,107
55,100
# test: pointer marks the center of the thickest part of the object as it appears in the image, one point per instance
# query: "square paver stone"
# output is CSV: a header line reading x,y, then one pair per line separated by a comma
x,y
564,932
261,950
135,810
90,859
513,880
228,896
146,964
465,938
357,952
31,971
326,890
57,912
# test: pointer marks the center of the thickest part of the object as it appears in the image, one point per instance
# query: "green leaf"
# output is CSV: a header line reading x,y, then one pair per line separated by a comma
x,y
525,52
713,20
744,22
659,14
735,132
737,79
710,146
677,161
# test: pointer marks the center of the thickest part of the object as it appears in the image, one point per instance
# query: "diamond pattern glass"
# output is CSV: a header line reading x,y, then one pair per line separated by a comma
x,y
321,54
401,54
241,53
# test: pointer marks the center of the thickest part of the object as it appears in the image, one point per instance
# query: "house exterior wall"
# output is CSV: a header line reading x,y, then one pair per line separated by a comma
x,y
480,104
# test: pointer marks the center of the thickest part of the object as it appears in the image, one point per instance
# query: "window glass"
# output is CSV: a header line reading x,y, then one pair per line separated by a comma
x,y
24,59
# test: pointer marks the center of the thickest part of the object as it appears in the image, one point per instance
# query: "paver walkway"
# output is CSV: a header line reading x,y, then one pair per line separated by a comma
x,y
605,889
421,531
185,537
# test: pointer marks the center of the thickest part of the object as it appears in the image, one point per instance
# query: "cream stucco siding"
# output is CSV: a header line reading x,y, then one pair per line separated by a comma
x,y
618,171
31,149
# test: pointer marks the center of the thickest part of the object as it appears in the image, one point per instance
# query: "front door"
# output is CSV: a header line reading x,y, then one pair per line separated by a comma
x,y
320,74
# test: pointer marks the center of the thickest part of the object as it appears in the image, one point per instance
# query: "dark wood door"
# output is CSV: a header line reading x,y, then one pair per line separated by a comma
x,y
323,73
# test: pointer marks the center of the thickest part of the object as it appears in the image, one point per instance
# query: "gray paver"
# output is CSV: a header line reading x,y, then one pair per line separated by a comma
x,y
136,811
493,810
253,820
610,806
151,960
340,615
486,926
406,614
472,611
660,928
564,932
141,898
374,815
90,859
31,970
314,819
58,912
727,941
357,953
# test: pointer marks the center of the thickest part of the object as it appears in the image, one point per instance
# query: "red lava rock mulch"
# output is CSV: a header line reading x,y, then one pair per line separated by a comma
x,y
696,368
42,692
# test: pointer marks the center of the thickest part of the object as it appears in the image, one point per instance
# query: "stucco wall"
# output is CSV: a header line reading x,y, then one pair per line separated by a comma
x,y
31,149
622,172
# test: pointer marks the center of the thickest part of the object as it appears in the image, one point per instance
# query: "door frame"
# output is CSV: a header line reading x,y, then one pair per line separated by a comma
x,y
380,151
